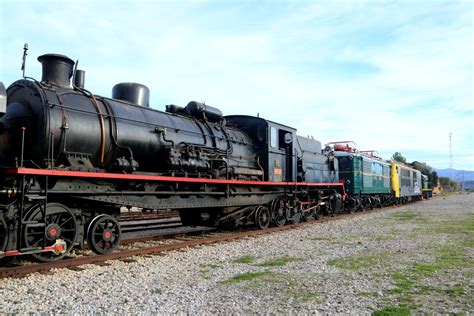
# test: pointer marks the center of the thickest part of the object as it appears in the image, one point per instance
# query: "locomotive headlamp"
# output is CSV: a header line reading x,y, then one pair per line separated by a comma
x,y
3,99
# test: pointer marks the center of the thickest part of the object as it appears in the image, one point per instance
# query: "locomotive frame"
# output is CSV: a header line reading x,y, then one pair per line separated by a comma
x,y
257,201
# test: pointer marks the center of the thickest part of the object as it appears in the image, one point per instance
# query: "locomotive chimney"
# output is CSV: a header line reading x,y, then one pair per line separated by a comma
x,y
57,69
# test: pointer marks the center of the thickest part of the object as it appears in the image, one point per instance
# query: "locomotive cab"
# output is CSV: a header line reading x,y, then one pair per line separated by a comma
x,y
281,152
276,143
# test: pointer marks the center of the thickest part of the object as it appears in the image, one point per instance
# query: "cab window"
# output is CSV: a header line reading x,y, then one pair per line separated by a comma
x,y
273,137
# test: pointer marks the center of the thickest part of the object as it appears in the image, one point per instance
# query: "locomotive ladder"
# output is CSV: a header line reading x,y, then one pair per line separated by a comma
x,y
43,199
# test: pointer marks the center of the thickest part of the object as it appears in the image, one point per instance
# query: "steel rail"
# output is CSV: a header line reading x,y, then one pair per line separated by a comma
x,y
225,237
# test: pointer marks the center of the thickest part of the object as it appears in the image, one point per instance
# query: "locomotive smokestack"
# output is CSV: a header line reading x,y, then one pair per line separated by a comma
x,y
57,69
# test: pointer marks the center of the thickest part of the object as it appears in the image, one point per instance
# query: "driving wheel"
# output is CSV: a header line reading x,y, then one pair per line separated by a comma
x,y
279,212
60,224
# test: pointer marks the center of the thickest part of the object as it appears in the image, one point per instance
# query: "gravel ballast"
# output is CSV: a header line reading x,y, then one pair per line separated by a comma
x,y
417,257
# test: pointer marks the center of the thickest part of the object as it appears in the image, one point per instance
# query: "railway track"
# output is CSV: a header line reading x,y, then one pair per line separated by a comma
x,y
150,245
187,237
129,247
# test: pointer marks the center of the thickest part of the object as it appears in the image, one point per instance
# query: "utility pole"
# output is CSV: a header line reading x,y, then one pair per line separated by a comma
x,y
450,155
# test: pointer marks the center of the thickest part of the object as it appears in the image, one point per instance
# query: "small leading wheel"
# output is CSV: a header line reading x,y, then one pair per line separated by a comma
x,y
279,212
3,234
60,224
262,217
104,234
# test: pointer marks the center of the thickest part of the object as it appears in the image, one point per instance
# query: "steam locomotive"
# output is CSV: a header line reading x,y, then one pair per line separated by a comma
x,y
70,160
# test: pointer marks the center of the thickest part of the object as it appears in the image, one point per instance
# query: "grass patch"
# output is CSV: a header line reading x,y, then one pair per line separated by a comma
x,y
406,280
291,287
392,311
210,266
383,238
244,259
307,296
205,269
468,242
403,280
425,289
278,262
321,238
404,216
407,283
157,291
249,276
425,269
354,263
446,241
464,226
453,257
463,229
456,291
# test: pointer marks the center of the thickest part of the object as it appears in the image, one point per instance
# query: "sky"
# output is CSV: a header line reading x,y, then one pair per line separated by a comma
x,y
392,76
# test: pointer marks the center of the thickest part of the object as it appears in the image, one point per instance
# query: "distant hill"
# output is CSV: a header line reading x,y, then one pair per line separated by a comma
x,y
457,175
468,185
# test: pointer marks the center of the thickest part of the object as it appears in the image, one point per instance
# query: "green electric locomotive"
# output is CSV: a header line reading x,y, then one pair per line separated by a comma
x,y
366,177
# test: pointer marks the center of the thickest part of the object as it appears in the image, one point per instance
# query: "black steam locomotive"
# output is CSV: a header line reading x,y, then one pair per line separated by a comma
x,y
71,159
